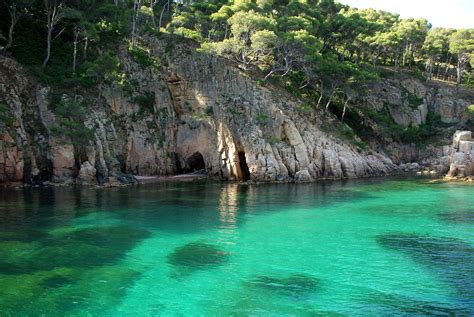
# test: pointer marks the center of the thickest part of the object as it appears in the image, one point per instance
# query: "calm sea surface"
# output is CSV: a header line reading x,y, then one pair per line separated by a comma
x,y
374,247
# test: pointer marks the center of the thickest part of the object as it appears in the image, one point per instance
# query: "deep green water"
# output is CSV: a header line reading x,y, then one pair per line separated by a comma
x,y
367,248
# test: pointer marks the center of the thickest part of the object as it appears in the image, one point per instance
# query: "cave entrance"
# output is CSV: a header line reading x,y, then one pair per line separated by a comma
x,y
195,163
244,169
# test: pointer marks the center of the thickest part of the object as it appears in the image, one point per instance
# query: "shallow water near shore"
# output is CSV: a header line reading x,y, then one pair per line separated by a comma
x,y
369,247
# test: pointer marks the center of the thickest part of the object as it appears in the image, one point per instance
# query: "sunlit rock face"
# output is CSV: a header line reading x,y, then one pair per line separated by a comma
x,y
197,106
461,155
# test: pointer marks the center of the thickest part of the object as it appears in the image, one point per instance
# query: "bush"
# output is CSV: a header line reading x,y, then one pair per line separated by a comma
x,y
146,101
262,118
143,58
70,116
5,115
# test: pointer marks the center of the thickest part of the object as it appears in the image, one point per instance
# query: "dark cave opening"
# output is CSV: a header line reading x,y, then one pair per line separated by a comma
x,y
195,163
244,167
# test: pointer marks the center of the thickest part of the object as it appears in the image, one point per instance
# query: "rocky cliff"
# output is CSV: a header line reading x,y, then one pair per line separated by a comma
x,y
194,112
402,103
461,156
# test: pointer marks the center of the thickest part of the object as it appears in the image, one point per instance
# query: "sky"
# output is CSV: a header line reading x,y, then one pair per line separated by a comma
x,y
440,13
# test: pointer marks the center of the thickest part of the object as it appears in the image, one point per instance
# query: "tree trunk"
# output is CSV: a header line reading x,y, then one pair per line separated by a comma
x,y
344,109
53,13
76,37
320,95
446,72
161,15
330,98
136,8
459,72
86,44
404,57
14,20
48,48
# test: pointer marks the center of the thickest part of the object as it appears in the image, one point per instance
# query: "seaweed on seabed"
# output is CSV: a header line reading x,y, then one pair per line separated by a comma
x,y
83,248
197,255
458,216
393,305
293,285
450,258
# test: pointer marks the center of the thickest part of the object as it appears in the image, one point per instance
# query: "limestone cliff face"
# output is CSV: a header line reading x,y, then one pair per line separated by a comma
x,y
461,155
409,102
206,114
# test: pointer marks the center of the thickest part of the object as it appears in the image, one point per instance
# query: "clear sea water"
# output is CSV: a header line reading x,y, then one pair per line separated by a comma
x,y
373,247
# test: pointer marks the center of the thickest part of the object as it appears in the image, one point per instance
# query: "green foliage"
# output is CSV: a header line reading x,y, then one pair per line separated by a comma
x,y
5,115
70,117
470,111
209,110
144,58
146,101
305,107
262,118
104,69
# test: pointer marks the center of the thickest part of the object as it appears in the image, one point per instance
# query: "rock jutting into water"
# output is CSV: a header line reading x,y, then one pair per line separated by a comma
x,y
461,156
197,255
295,285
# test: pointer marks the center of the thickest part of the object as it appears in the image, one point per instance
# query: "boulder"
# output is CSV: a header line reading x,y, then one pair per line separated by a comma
x,y
461,158
303,176
461,136
87,174
63,162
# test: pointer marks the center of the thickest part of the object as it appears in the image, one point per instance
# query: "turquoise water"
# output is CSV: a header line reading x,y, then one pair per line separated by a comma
x,y
373,247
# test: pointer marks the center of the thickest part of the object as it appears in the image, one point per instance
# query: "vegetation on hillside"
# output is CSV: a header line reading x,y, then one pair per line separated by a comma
x,y
321,50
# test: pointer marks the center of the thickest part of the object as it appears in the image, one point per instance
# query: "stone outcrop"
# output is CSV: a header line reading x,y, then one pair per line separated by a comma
x,y
408,100
11,160
461,156
205,114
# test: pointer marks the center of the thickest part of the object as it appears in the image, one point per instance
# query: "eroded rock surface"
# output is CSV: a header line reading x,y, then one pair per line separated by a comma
x,y
202,107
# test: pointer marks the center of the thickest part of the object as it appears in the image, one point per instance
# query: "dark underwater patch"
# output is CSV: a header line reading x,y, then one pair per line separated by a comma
x,y
458,216
294,285
22,235
450,258
197,255
84,248
394,305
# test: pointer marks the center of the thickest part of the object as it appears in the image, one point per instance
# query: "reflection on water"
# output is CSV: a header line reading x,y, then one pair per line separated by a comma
x,y
368,247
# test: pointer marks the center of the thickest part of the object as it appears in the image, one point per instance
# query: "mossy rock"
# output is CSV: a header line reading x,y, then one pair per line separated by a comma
x,y
296,284
197,255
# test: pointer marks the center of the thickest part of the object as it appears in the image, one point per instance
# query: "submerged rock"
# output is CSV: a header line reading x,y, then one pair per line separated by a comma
x,y
121,237
450,258
22,235
459,216
394,305
197,255
296,284
65,291
84,248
